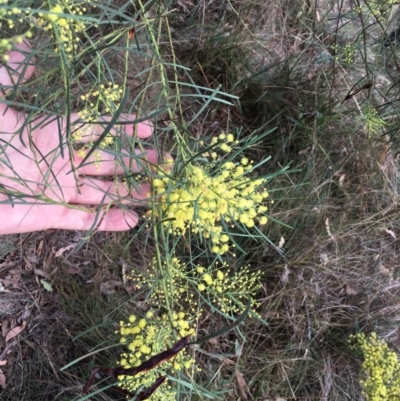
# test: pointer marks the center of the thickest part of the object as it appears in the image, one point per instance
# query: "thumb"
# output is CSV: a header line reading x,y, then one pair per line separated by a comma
x,y
18,67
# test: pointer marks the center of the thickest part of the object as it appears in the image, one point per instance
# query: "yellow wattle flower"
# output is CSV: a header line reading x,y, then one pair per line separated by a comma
x,y
203,201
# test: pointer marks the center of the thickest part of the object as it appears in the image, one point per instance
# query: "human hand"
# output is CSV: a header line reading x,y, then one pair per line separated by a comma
x,y
39,188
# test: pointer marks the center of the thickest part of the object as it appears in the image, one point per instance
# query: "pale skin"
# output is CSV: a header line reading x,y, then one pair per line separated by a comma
x,y
36,168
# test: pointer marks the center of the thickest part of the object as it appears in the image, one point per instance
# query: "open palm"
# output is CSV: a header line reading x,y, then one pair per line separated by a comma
x,y
42,184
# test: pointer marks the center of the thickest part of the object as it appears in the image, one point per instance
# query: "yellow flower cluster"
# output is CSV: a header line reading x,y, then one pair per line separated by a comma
x,y
147,337
7,44
173,282
66,28
10,16
105,97
229,292
381,368
344,54
108,95
380,9
374,123
211,195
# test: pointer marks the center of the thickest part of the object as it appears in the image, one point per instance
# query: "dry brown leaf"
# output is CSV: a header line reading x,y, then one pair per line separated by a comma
x,y
4,327
241,385
341,180
47,262
303,151
108,287
40,247
2,380
30,260
7,264
62,250
384,270
124,266
13,278
3,362
328,228
285,275
25,314
7,283
351,290
15,331
391,232
15,271
75,270
40,273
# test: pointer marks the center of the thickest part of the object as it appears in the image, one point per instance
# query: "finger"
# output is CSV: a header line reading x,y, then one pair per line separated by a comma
x,y
109,164
96,192
113,220
24,219
18,68
85,132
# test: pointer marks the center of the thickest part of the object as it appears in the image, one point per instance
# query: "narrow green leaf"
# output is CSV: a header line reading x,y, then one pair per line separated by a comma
x,y
46,285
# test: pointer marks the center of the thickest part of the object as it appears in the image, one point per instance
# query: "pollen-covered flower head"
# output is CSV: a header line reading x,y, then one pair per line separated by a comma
x,y
380,378
172,283
148,336
11,16
225,290
62,19
208,196
228,291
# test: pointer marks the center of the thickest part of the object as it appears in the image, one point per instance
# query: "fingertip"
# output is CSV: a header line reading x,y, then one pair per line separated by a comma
x,y
165,162
142,193
168,162
142,130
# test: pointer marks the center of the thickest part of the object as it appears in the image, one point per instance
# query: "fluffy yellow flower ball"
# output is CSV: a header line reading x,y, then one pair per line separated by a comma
x,y
207,197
